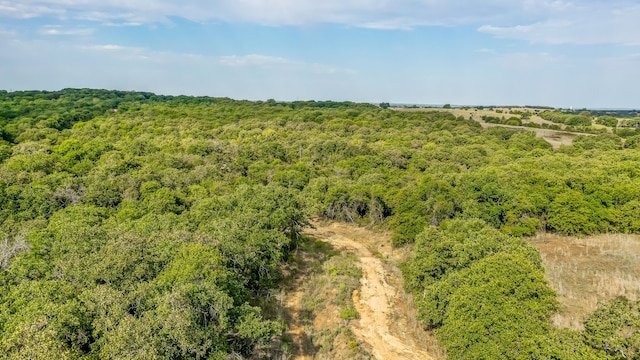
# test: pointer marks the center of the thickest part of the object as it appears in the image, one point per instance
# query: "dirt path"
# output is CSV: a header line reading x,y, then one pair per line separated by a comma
x,y
387,323
301,342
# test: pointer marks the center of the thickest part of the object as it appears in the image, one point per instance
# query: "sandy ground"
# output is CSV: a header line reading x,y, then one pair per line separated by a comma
x,y
387,325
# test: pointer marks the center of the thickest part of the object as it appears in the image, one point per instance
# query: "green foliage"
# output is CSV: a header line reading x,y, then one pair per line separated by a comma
x,y
609,121
615,328
484,292
512,121
5,150
571,213
631,123
582,119
569,344
427,202
349,313
599,142
486,296
499,310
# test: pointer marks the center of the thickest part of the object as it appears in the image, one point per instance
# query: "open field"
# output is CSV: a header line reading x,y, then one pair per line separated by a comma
x,y
555,138
588,271
477,114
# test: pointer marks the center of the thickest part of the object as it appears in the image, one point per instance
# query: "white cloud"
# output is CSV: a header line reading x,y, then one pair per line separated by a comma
x,y
29,9
502,78
528,61
115,66
59,30
541,21
252,60
239,62
7,33
331,70
265,61
585,26
113,48
123,24
382,14
548,72
379,14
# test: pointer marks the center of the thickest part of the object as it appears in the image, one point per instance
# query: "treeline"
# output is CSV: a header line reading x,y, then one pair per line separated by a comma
x,y
156,227
584,118
631,123
22,111
612,119
621,114
515,121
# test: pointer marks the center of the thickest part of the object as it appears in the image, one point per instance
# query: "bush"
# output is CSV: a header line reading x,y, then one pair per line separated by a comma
x,y
609,121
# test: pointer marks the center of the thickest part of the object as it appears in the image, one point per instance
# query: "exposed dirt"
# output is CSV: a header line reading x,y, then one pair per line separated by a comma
x,y
301,343
588,271
387,323
319,288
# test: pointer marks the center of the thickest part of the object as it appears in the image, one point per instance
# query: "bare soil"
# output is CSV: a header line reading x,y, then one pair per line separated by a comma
x,y
302,346
588,271
387,324
319,283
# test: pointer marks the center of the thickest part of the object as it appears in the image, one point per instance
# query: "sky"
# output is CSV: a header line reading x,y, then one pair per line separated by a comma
x,y
581,54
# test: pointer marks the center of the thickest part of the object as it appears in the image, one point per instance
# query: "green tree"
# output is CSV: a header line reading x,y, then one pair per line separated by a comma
x,y
615,328
500,310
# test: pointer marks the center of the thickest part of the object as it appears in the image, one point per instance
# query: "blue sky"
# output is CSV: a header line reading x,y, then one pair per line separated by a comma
x,y
502,52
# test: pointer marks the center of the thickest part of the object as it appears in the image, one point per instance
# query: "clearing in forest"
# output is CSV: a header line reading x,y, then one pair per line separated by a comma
x,y
386,325
556,138
589,271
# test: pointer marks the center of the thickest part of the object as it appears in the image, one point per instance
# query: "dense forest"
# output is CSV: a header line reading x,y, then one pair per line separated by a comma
x,y
141,226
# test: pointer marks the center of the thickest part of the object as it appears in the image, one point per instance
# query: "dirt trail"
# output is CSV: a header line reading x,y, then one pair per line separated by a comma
x,y
387,324
301,342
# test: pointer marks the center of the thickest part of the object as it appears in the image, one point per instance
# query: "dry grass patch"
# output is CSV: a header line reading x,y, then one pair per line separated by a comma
x,y
588,271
